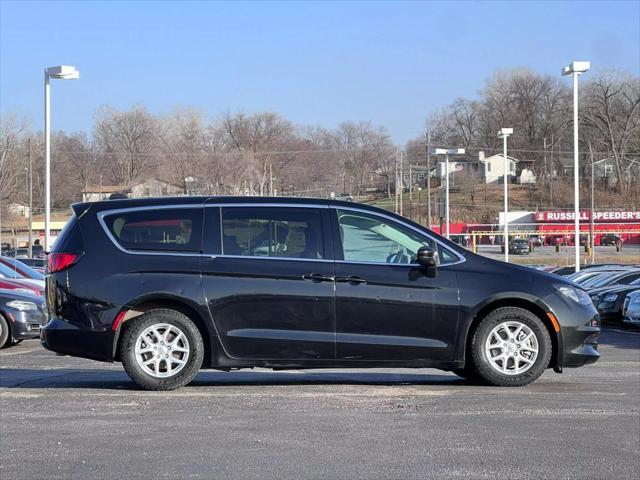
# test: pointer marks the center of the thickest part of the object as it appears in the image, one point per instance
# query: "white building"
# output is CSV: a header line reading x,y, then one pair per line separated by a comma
x,y
526,177
18,209
152,187
492,168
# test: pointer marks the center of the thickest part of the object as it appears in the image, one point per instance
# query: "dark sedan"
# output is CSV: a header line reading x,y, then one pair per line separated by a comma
x,y
519,247
609,301
21,316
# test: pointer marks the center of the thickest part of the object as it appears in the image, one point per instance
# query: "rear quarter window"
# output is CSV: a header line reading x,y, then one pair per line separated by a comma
x,y
171,229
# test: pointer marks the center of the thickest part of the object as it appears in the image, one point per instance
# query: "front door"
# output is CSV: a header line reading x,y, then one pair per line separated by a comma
x,y
387,308
270,291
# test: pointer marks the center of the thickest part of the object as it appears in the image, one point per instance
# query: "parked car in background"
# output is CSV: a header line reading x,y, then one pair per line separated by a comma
x,y
589,275
345,197
21,316
631,309
569,270
613,278
168,286
16,284
609,301
609,239
6,274
38,264
519,246
18,266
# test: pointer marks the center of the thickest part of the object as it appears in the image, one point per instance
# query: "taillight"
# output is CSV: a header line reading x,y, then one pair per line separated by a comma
x,y
59,261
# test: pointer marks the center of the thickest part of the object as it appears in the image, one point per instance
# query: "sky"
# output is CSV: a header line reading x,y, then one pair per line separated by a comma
x,y
315,63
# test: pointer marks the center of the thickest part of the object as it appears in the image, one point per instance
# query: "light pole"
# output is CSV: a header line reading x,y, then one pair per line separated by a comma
x,y
504,134
446,152
61,72
575,69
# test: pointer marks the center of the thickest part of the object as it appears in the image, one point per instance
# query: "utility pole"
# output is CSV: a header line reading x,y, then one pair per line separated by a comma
x,y
2,159
551,177
396,178
410,184
30,200
428,180
544,146
401,182
270,180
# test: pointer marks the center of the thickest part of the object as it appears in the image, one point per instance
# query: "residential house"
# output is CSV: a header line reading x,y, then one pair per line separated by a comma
x,y
152,187
460,169
18,209
492,168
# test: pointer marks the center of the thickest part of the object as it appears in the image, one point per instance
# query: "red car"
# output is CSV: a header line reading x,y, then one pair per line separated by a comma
x,y
25,286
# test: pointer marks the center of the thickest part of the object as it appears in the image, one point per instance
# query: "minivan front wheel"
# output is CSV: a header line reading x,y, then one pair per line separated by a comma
x,y
161,350
510,347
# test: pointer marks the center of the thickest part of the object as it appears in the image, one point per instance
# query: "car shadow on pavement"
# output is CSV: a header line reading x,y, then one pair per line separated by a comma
x,y
111,379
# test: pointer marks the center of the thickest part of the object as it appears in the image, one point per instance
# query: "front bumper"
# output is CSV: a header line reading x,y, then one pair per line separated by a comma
x,y
25,324
579,331
68,339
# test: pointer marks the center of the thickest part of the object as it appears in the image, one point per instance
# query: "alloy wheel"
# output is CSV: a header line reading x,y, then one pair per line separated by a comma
x,y
162,350
511,348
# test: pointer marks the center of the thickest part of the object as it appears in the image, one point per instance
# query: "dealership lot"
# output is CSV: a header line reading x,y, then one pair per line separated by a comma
x,y
65,417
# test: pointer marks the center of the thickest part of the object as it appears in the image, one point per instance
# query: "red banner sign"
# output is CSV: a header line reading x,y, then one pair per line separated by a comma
x,y
599,216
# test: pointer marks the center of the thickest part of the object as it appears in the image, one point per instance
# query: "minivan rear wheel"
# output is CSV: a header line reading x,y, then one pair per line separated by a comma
x,y
510,347
161,350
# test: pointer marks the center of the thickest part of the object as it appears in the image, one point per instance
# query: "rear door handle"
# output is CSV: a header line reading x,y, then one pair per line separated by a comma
x,y
351,279
318,277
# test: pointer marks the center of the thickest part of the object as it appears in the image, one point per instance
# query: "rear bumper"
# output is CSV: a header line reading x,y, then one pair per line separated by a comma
x,y
67,339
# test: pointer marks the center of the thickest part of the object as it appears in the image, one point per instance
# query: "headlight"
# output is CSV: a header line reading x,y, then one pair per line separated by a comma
x,y
576,294
611,297
22,305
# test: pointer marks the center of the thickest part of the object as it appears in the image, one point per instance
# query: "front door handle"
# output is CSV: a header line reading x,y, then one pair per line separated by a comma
x,y
318,277
351,279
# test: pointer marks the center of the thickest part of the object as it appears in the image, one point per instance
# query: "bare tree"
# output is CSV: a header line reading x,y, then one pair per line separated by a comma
x,y
612,118
125,142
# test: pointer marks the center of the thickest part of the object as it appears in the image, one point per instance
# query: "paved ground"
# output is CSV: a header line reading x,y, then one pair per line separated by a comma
x,y
70,418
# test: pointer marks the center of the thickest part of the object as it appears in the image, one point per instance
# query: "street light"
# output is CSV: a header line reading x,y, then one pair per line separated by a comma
x,y
61,72
504,134
446,152
575,69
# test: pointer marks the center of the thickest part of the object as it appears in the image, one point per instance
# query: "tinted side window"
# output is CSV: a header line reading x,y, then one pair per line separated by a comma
x,y
177,229
369,238
272,232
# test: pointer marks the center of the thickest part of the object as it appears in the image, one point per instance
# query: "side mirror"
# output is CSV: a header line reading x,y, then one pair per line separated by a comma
x,y
427,257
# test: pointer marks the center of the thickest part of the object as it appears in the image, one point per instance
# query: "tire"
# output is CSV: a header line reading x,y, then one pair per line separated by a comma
x,y
5,334
146,367
526,334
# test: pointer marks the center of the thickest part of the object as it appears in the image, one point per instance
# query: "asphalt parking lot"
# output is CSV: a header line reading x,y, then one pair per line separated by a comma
x,y
63,417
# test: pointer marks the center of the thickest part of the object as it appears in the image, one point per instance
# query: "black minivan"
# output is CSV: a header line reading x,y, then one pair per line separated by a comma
x,y
168,286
